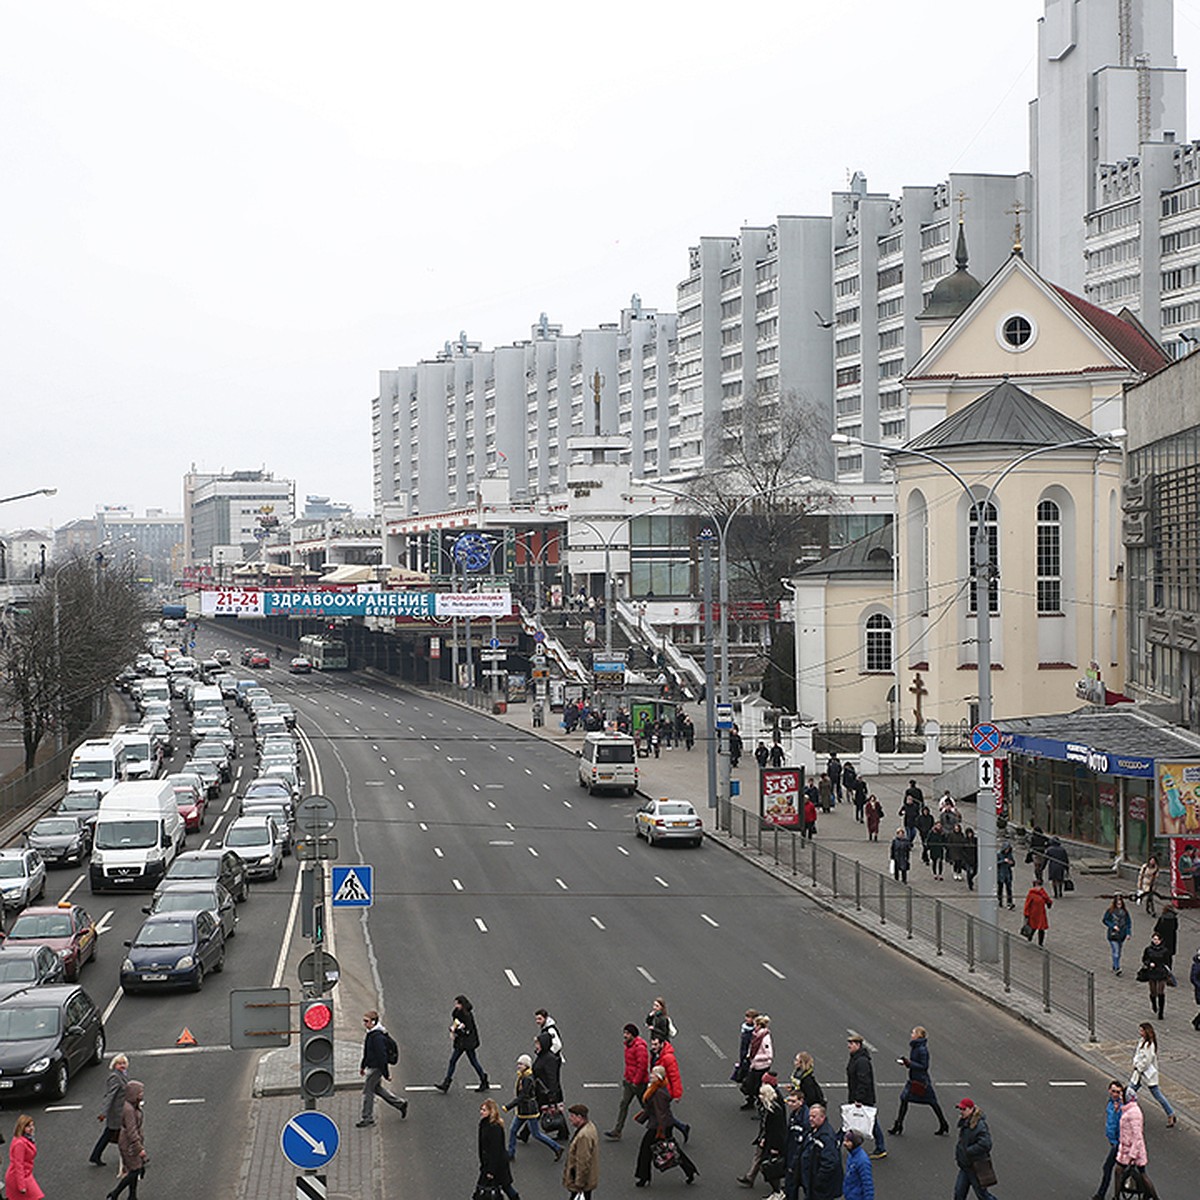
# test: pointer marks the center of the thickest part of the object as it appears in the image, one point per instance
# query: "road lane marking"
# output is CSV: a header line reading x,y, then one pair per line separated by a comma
x,y
62,1108
566,803
458,887
660,879
512,977
284,945
493,785
411,805
499,843
479,923
187,1100
422,827
546,786
713,1046
706,917
532,851
475,786
592,825
561,884
1068,1082
778,974
623,851
1009,1083
646,975
71,890
598,923
511,826
112,1004
102,924
491,804
438,852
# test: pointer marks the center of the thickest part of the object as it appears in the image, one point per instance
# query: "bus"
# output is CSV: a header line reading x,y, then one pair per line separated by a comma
x,y
325,654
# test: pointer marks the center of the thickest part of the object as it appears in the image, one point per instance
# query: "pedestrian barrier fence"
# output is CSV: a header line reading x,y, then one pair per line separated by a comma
x,y
1059,985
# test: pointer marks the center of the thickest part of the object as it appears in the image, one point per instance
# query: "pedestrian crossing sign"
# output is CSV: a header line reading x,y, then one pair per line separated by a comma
x,y
353,886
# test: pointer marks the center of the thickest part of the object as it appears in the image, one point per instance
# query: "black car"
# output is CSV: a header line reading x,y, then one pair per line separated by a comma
x,y
47,1035
220,866
63,838
29,966
174,949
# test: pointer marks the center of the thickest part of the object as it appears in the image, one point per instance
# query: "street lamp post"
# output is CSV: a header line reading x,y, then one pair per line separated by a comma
x,y
985,569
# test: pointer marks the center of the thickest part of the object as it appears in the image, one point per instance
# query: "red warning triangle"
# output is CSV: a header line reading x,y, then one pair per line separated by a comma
x,y
186,1038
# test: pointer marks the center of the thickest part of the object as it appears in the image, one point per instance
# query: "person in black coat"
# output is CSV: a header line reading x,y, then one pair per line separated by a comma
x,y
495,1169
772,1137
974,1145
901,855
919,1088
797,1133
1167,928
547,1072
1156,969
465,1040
860,1086
1057,866
820,1159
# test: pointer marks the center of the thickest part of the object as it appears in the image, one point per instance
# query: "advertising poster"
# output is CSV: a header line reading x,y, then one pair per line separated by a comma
x,y
1178,799
1185,869
779,797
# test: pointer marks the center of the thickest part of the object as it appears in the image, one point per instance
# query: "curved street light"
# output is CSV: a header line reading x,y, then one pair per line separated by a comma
x,y
26,495
984,568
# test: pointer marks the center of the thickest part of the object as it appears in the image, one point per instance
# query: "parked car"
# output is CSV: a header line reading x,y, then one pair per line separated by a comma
x,y
61,839
257,841
22,877
174,950
220,866
668,821
47,1035
65,928
191,895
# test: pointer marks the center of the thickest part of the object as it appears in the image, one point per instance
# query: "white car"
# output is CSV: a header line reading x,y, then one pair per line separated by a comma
x,y
22,877
257,842
668,821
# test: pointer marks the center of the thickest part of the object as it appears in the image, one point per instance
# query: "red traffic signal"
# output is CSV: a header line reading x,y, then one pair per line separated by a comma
x,y
317,1016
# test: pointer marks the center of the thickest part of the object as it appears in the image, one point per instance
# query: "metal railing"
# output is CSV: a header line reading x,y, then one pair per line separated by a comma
x,y
1059,985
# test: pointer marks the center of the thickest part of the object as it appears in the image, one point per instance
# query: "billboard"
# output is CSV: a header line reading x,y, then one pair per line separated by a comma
x,y
1178,795
298,602
779,796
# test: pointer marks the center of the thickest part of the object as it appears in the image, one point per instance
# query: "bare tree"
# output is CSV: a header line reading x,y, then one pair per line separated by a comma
x,y
81,628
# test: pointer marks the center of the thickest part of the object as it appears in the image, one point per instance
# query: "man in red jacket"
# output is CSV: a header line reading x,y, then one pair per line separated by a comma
x,y
637,1075
662,1054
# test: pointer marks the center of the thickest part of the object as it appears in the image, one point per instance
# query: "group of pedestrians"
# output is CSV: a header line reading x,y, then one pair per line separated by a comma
x,y
944,840
121,1119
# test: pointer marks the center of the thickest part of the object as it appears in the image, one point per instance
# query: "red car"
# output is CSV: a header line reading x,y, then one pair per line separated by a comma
x,y
65,928
190,794
259,659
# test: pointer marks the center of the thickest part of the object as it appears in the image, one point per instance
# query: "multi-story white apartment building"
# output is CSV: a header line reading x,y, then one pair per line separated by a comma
x,y
233,512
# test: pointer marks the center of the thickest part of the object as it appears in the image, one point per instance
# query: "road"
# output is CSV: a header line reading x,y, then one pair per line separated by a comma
x,y
498,877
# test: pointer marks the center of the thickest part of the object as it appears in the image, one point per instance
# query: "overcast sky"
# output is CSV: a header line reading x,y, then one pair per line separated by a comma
x,y
219,221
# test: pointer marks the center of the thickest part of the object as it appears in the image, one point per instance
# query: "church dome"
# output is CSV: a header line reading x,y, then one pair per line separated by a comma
x,y
954,292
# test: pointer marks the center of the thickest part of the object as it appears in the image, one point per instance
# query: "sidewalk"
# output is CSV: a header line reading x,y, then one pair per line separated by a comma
x,y
1076,931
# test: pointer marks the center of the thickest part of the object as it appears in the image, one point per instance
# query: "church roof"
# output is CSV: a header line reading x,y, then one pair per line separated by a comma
x,y
1122,331
953,293
1005,416
870,556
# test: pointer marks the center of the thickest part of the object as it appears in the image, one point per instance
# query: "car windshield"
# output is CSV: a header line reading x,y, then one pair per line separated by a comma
x,y
184,901
137,751
254,835
203,767
28,1024
165,933
80,802
17,970
126,835
194,868
51,827
12,868
209,750
676,810
92,770
32,926
614,754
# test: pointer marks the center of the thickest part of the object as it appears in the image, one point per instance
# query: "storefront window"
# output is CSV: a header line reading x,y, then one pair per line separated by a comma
x,y
1137,823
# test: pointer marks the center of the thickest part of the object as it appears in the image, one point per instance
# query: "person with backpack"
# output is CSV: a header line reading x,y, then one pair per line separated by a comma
x,y
379,1053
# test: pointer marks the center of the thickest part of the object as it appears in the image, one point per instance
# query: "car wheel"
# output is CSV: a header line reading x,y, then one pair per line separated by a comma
x,y
220,963
98,1050
58,1088
274,874
199,978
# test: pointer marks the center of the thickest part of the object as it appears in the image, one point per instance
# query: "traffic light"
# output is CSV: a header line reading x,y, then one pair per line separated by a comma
x,y
316,1048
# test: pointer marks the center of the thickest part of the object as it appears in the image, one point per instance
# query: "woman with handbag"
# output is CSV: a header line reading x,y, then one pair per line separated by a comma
x,y
919,1088
495,1169
131,1143
760,1056
1147,877
1131,1146
771,1141
658,1142
1119,925
1145,1069
1037,916
464,1034
1156,970
547,1068
528,1113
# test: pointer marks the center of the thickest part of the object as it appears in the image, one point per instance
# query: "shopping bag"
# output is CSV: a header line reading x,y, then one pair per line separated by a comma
x,y
860,1117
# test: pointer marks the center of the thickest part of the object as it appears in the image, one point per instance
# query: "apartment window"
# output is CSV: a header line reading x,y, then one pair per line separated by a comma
x,y
1181,201
846,346
1119,218
890,400
849,375
1179,278
890,308
849,316
935,268
891,245
846,287
849,406
1171,243
767,299
731,308
891,277
990,528
891,339
935,235
768,329
891,369
879,642
1049,557
892,429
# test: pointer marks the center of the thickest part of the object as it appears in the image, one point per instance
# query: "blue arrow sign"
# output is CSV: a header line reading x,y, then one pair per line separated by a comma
x,y
985,737
353,886
309,1140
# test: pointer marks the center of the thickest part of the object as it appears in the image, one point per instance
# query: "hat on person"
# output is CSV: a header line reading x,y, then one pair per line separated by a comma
x,y
523,1060
965,1102
854,1037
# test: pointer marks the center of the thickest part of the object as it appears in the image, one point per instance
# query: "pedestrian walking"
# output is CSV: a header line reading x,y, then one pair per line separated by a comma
x,y
970,857
833,768
1195,981
760,1056
825,793
1038,842
131,1142
464,1035
1131,1146
22,1150
810,820
873,812
528,1116
858,1182
956,854
1037,915
1057,866
804,1080
1118,926
1155,972
581,1175
914,793
910,813
547,1024
1112,1131
919,1088
660,1127
379,1053
973,1154
735,747
820,1159
849,780
689,732
776,755
1006,862
925,824
1167,928
634,1078
662,1054
745,1036
771,1142
860,799
547,1078
1145,1069
860,1086
658,1020
797,1135
111,1108
761,754
1147,877
495,1169
900,854
935,843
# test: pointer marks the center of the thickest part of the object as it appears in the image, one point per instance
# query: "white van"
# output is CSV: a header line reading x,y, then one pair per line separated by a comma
x,y
141,754
608,760
206,696
137,834
98,763
154,689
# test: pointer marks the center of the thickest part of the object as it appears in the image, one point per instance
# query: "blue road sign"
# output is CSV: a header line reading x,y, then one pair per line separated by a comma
x,y
353,886
985,737
192,644
494,643
309,1140
539,637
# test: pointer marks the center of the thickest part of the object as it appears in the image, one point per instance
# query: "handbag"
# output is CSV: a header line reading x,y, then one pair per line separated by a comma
x,y
1069,884
916,1089
487,1191
860,1117
985,1173
1027,931
664,1154
1171,980
552,1120
773,1167
739,1071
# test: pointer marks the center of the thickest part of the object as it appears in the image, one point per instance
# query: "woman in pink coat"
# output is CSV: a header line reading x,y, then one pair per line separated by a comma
x,y
1131,1144
19,1183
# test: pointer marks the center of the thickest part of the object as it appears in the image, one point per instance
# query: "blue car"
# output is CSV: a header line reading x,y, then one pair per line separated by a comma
x,y
174,950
